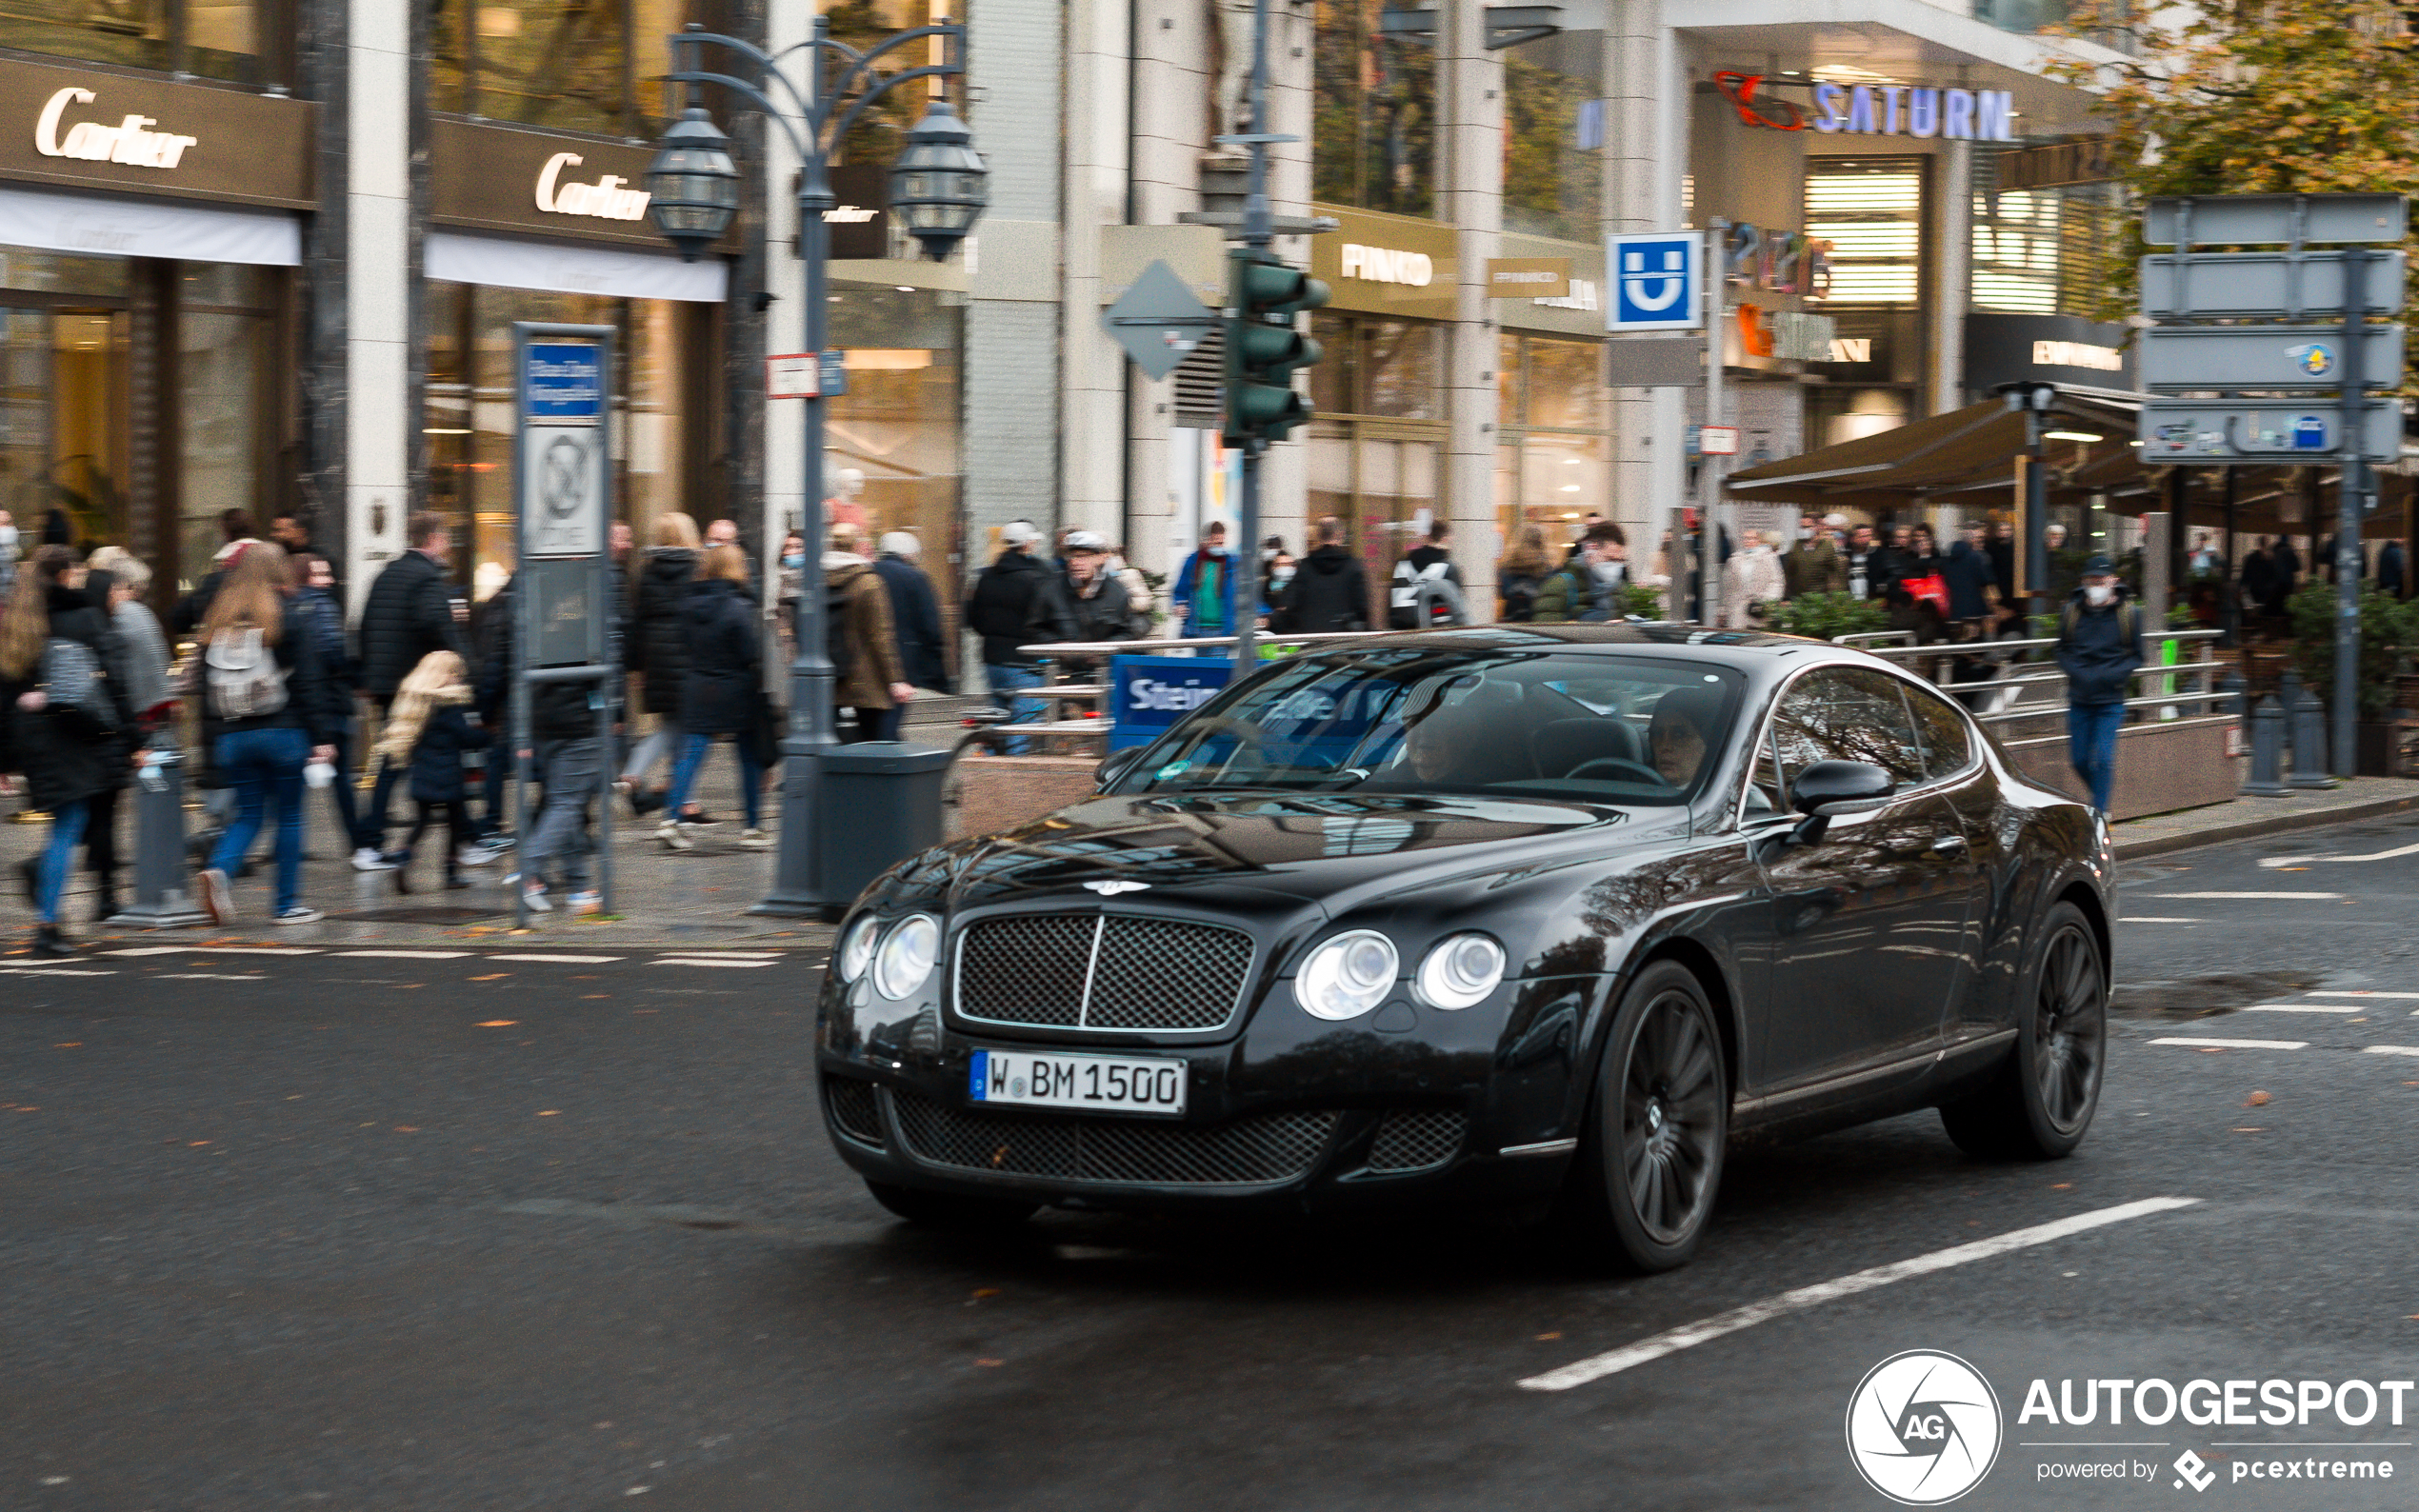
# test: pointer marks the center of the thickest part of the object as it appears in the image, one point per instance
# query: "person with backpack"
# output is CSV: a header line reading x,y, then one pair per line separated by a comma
x,y
261,681
1427,563
1581,588
428,727
719,692
867,672
1521,574
2099,648
63,720
115,581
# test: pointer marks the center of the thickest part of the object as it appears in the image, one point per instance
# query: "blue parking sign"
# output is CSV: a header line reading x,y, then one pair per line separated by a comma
x,y
1655,280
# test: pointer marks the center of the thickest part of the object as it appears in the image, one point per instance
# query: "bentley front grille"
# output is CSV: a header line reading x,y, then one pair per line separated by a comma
x,y
1258,1151
1102,972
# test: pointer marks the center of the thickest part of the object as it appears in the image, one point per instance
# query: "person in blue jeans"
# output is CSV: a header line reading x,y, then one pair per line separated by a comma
x,y
2099,648
719,693
60,725
1017,602
276,712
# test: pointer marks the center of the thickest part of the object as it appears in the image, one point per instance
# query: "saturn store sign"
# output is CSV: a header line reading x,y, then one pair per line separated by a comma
x,y
1873,110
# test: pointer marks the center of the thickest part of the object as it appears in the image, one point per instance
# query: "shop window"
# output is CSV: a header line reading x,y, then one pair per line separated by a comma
x,y
215,39
223,365
891,458
1872,213
565,65
2041,252
1555,137
1553,467
1374,126
867,24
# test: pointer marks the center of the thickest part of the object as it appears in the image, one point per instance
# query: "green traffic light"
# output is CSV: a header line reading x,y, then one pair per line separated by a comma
x,y
1262,349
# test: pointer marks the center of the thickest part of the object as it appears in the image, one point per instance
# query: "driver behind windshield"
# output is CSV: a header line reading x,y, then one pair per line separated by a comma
x,y
1676,735
1446,743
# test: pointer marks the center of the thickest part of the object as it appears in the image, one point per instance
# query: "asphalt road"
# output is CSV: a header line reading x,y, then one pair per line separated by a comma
x,y
397,1232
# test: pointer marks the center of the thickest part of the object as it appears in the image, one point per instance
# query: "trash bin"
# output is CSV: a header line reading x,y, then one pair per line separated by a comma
x,y
885,801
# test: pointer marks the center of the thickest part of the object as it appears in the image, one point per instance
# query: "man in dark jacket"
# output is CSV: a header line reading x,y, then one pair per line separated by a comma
x,y
1970,582
1432,561
1016,603
562,751
409,613
1576,590
2099,648
2393,573
1094,596
915,612
1329,592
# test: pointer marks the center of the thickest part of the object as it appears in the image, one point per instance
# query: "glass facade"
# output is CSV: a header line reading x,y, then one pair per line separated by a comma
x,y
242,41
1555,137
1373,124
1872,211
1376,447
896,429
2042,252
149,468
655,438
1553,463
566,65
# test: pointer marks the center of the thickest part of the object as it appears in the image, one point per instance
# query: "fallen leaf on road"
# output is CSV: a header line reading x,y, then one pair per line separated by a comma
x,y
2258,1100
987,1291
69,1045
586,997
495,977
1556,1334
2248,1131
495,1023
991,1362
195,1145
407,1128
2060,1187
549,1112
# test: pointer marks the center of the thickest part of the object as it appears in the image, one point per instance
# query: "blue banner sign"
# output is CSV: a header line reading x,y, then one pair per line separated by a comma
x,y
1149,693
563,382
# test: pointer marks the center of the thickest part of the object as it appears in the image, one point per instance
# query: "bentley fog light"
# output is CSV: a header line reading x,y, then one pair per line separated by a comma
x,y
1349,975
908,955
1461,971
856,951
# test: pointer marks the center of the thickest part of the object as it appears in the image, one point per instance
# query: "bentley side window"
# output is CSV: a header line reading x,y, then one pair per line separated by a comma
x,y
1946,746
1847,714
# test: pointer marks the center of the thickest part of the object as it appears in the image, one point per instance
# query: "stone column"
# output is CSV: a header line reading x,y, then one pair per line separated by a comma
x,y
1093,398
1952,220
380,284
1469,91
1645,155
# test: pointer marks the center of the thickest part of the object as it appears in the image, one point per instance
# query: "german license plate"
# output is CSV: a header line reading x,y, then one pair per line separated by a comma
x,y
1114,1084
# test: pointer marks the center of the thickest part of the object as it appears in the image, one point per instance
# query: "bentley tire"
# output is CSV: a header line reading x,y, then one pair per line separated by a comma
x,y
950,1211
2041,1101
1651,1155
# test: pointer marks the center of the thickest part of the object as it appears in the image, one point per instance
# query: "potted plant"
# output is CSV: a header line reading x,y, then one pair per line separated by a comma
x,y
1825,616
2388,634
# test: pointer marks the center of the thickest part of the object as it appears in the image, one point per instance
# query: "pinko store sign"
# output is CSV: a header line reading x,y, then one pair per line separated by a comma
x,y
1876,110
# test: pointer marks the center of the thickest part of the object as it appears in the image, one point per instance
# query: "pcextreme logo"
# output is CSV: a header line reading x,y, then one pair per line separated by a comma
x,y
1923,1427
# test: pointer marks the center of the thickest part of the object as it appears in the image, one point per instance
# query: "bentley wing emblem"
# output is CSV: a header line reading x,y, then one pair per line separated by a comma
x,y
1110,890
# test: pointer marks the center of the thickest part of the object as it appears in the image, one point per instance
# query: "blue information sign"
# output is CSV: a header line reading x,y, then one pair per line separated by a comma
x,y
835,372
1149,693
1654,282
563,382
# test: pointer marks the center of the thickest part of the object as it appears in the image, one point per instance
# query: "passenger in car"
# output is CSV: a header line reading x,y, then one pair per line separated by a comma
x,y
1676,736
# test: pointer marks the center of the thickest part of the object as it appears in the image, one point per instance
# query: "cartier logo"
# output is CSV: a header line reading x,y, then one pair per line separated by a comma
x,y
131,141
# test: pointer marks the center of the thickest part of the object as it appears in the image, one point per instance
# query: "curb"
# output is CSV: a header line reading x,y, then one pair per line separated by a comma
x,y
2277,823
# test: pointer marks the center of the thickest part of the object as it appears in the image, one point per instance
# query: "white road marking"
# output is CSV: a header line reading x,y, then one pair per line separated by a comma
x,y
2349,992
54,971
2391,1050
410,955
2234,1044
700,961
210,976
147,950
577,960
2156,919
1689,1335
2314,896
2298,1007
216,950
2272,861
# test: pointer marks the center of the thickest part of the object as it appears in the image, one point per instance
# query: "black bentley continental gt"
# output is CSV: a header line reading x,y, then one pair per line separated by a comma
x,y
1539,916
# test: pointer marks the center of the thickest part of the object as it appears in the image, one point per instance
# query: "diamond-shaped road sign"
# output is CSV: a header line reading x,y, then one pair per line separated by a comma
x,y
1158,320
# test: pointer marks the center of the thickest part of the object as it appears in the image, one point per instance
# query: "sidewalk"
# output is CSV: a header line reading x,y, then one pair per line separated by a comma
x,y
2249,818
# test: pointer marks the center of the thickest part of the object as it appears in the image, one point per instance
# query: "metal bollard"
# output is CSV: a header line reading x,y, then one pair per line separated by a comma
x,y
163,899
2267,778
2309,738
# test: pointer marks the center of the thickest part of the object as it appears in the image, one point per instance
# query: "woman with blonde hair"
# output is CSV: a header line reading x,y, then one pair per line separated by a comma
x,y
1521,573
656,647
62,719
429,726
718,693
260,680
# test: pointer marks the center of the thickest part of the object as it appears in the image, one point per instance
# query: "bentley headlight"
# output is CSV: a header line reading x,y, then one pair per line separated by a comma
x,y
1349,975
856,950
1461,971
908,956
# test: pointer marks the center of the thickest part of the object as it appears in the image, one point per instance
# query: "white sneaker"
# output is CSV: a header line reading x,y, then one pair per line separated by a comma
x,y
218,899
369,858
534,895
586,902
478,855
299,913
675,836
754,839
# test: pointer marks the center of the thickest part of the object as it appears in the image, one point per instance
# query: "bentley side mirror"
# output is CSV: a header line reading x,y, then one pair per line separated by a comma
x,y
1114,767
1829,787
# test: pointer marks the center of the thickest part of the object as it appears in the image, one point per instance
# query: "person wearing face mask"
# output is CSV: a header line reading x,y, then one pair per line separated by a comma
x,y
2099,648
792,567
1199,597
1276,584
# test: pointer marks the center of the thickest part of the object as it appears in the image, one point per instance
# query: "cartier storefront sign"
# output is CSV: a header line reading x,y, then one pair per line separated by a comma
x,y
500,178
71,128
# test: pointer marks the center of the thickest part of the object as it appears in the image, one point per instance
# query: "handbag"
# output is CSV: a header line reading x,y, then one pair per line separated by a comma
x,y
1933,589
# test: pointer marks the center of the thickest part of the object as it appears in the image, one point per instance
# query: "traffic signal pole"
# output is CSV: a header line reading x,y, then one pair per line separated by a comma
x,y
1243,580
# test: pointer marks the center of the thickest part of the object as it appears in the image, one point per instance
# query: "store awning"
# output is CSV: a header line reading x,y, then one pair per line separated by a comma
x,y
110,226
1951,459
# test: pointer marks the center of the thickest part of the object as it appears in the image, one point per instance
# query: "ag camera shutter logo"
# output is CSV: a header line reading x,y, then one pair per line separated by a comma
x,y
1923,1427
1654,282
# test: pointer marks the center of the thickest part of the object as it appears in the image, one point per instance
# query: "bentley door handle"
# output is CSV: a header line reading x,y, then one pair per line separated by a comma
x,y
1949,845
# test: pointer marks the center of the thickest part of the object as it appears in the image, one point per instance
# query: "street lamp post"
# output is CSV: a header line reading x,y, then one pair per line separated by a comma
x,y
937,189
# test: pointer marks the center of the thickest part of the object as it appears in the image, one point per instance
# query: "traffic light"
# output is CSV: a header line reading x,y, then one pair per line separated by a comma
x,y
1264,296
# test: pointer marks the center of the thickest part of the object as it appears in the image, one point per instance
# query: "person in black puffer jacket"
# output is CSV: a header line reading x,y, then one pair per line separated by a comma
x,y
1331,592
291,719
69,752
570,758
719,692
657,649
409,613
